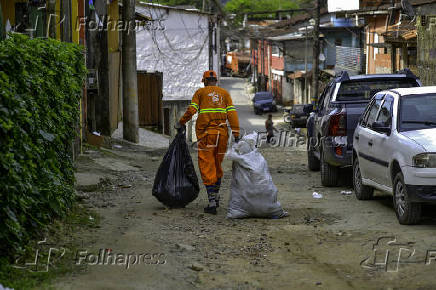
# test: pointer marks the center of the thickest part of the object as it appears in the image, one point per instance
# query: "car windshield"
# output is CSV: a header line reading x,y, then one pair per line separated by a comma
x,y
418,112
356,90
262,96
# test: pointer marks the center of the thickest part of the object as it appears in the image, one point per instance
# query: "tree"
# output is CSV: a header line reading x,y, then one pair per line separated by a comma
x,y
259,5
248,6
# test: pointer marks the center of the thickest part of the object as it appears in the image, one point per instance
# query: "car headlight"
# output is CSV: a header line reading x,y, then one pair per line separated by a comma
x,y
425,160
274,102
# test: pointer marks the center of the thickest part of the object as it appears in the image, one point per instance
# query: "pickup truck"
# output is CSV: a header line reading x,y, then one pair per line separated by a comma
x,y
331,124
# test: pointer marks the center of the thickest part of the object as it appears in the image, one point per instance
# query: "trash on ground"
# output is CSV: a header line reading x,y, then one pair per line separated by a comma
x,y
125,185
346,192
176,183
117,146
317,195
253,193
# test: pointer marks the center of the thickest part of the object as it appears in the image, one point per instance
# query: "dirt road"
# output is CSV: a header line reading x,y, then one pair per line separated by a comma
x,y
335,242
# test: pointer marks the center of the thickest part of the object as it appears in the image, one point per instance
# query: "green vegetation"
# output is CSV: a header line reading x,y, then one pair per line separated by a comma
x,y
61,234
41,84
242,6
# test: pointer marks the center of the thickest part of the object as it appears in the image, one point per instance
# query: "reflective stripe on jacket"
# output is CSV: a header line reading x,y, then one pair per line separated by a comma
x,y
215,107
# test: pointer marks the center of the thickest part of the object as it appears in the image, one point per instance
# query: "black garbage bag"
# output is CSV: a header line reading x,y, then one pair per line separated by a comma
x,y
176,183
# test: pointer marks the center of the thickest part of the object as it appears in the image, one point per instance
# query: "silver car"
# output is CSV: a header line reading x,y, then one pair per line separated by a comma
x,y
394,148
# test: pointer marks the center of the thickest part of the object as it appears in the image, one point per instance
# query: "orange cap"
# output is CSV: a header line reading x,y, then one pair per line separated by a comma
x,y
209,74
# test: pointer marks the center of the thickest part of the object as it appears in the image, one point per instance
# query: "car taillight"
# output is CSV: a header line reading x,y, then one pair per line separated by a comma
x,y
338,125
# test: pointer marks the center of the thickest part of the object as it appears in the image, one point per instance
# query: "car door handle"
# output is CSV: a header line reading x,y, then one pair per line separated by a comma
x,y
370,143
357,137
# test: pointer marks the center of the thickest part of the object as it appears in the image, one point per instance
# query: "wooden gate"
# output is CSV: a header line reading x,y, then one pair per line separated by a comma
x,y
150,98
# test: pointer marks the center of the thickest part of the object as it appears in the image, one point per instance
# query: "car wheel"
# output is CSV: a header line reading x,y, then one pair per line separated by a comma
x,y
312,161
362,192
329,173
408,213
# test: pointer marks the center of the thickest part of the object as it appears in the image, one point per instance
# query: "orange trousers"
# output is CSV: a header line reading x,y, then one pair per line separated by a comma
x,y
211,151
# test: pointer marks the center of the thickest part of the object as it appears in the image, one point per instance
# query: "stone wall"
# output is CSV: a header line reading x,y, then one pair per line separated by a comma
x,y
426,62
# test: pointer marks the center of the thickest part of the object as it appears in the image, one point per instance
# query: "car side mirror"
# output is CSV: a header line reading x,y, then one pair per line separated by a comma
x,y
307,109
381,127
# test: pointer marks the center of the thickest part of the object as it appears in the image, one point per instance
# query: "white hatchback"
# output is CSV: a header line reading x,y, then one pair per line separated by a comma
x,y
394,148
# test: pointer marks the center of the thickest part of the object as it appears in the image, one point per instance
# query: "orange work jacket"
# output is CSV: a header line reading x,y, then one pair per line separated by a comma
x,y
214,106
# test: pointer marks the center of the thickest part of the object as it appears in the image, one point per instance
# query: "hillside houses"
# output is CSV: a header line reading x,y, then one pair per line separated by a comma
x,y
377,38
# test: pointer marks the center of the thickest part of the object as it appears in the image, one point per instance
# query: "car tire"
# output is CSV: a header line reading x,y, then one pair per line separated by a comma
x,y
329,173
363,192
408,213
312,161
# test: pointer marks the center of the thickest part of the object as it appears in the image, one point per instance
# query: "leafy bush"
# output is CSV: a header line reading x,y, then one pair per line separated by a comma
x,y
40,89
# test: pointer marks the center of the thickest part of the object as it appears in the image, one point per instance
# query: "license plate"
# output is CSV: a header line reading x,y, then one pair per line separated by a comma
x,y
265,109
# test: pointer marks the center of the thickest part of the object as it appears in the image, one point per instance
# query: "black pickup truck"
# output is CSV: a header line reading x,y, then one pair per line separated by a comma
x,y
331,124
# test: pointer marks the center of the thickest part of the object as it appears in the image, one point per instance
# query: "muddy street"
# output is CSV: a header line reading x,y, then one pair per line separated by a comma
x,y
334,242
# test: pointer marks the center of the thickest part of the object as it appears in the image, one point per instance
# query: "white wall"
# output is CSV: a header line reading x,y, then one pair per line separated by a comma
x,y
177,44
287,91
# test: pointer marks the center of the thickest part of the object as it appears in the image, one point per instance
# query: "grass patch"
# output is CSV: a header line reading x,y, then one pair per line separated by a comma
x,y
60,235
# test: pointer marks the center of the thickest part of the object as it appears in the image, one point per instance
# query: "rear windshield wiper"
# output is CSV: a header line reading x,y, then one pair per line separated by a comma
x,y
428,123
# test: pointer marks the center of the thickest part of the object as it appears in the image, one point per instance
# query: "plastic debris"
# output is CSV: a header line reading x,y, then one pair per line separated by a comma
x,y
346,192
317,195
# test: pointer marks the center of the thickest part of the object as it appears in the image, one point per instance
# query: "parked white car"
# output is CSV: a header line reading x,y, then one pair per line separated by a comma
x,y
395,150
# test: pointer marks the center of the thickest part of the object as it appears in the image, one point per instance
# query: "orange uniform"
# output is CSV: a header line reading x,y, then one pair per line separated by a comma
x,y
214,106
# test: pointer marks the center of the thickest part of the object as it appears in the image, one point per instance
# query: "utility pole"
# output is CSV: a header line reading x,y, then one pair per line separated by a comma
x,y
315,68
51,18
130,86
306,85
66,24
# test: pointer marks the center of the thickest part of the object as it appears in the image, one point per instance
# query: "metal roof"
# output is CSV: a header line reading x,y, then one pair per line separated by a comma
x,y
160,6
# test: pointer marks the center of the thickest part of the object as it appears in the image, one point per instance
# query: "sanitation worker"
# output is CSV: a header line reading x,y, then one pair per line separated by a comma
x,y
214,106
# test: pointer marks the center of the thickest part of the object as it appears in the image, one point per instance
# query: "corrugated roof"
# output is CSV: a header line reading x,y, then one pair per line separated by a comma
x,y
160,6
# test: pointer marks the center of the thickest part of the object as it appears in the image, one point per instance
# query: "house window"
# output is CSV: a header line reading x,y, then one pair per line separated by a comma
x,y
338,42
